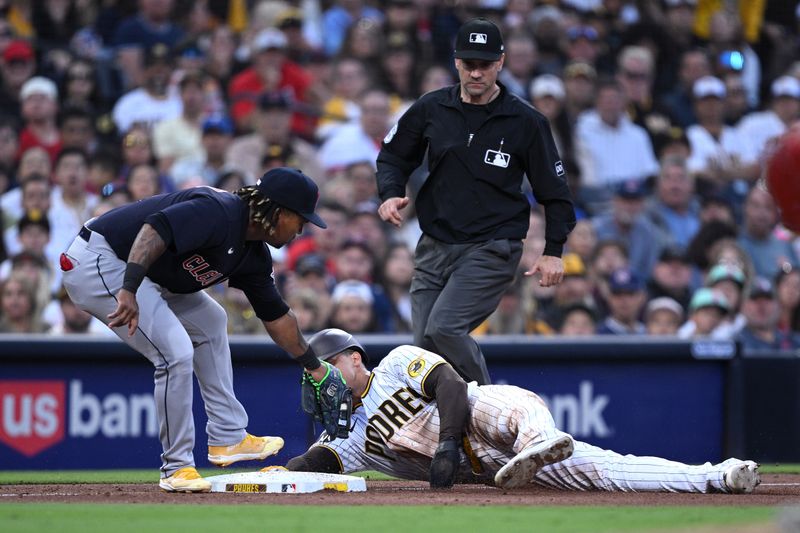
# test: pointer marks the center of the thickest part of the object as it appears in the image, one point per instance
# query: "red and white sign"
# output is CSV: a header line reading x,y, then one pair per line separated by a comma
x,y
32,414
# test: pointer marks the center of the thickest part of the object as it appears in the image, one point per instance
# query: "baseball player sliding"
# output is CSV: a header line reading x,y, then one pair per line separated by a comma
x,y
418,420
142,268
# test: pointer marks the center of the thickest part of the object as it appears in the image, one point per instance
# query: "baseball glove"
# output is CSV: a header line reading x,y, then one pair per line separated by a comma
x,y
329,401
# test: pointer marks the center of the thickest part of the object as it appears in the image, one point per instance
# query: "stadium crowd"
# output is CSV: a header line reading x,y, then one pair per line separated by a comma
x,y
663,111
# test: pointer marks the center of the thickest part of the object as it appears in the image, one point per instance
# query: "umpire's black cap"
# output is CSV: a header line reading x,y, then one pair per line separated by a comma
x,y
479,38
333,341
292,189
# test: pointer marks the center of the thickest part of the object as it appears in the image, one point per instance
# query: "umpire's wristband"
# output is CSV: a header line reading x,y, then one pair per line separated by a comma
x,y
134,274
309,360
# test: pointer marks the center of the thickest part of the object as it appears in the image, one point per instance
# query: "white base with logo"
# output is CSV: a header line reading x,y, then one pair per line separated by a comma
x,y
285,482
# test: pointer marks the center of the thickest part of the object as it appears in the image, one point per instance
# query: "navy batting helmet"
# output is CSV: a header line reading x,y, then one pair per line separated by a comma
x,y
330,342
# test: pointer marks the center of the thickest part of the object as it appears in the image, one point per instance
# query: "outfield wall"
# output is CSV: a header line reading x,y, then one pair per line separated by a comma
x,y
86,403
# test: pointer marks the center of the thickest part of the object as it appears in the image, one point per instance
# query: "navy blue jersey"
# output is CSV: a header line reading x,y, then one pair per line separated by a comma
x,y
204,229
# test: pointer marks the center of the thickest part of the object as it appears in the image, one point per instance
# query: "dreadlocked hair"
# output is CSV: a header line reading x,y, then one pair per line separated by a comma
x,y
262,209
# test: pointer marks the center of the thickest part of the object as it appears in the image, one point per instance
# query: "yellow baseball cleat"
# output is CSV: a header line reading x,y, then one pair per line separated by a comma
x,y
250,449
185,480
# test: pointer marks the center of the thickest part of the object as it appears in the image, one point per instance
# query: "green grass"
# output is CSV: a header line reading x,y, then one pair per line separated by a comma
x,y
68,518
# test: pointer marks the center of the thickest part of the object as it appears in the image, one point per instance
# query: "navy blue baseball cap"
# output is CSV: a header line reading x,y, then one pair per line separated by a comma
x,y
624,280
292,189
218,124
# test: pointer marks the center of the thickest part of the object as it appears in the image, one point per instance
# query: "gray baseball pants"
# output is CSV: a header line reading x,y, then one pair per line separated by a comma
x,y
178,333
454,289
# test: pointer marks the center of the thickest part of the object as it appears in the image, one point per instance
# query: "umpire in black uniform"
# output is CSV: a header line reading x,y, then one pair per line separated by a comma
x,y
481,140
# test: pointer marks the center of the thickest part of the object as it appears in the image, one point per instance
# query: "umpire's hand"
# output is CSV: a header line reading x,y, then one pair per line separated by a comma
x,y
127,312
551,268
389,210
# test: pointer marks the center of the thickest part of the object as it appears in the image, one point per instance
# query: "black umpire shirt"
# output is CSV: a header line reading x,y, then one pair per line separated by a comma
x,y
477,157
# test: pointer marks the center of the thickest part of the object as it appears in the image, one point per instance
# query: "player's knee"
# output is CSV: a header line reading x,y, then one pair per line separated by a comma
x,y
217,321
438,330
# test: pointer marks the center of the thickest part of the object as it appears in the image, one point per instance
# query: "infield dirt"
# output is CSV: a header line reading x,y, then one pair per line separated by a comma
x,y
775,490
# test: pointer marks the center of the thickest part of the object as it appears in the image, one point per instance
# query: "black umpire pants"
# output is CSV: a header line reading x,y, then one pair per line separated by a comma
x,y
454,289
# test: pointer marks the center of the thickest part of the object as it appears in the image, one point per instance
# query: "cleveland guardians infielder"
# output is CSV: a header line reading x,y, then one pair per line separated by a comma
x,y
142,268
509,436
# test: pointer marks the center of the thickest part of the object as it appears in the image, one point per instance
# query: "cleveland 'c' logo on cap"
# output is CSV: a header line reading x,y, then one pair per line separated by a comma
x,y
479,38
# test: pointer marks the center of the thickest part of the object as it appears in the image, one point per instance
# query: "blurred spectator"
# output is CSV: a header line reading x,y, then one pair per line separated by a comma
x,y
80,88
582,240
355,261
730,280
787,292
153,101
663,316
671,277
731,52
609,148
142,182
305,305
273,135
396,272
76,126
34,200
575,288
216,138
635,74
180,137
9,142
698,251
361,176
323,242
352,307
298,48
337,20
18,308
720,156
361,141
547,94
762,312
578,320
349,81
707,311
579,89
39,101
715,207
435,77
582,44
150,26
364,225
625,299
71,205
758,239
398,74
17,66
33,161
520,64
784,108
271,72
674,209
694,64
231,181
364,41
242,320
220,54
627,222
671,143
736,104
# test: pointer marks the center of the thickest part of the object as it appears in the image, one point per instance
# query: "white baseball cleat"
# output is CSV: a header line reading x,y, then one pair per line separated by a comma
x,y
742,477
520,469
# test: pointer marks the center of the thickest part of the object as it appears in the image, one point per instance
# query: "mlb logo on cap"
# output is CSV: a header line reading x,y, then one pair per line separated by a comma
x,y
479,38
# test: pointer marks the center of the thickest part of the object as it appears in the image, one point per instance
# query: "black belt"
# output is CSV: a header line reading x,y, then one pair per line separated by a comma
x,y
85,233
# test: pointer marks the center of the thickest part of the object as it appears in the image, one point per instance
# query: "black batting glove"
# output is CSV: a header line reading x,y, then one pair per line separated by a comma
x,y
445,463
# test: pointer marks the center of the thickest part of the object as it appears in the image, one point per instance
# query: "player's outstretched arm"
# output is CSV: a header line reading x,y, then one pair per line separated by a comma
x,y
450,393
146,248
